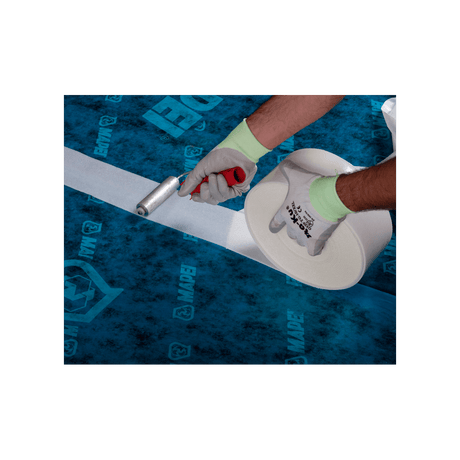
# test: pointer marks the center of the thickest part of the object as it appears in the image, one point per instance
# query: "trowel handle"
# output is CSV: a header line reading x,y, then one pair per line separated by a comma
x,y
233,176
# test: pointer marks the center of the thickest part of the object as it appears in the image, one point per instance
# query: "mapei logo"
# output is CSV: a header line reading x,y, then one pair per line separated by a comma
x,y
382,133
390,267
70,347
86,294
200,126
296,360
186,313
192,151
113,98
105,120
90,227
178,351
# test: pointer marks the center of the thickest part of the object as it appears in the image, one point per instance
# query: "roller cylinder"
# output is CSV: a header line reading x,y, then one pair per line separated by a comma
x,y
158,196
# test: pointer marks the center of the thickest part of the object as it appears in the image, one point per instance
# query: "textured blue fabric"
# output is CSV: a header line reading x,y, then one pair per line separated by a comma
x,y
140,313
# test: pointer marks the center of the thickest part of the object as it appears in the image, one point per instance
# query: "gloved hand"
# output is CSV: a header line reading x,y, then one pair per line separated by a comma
x,y
304,223
216,190
239,148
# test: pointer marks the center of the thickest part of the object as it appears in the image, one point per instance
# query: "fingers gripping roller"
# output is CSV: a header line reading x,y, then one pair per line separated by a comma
x,y
161,193
233,176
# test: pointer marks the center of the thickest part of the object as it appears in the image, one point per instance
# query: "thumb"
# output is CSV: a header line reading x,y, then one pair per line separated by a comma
x,y
315,247
189,184
277,223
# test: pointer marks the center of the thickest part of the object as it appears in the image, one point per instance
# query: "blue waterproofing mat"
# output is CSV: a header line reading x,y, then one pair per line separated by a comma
x,y
124,299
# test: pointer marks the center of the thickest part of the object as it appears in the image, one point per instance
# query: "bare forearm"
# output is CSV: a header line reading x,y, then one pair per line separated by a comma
x,y
372,188
282,116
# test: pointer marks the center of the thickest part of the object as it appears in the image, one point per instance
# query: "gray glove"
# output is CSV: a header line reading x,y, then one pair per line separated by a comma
x,y
216,190
304,224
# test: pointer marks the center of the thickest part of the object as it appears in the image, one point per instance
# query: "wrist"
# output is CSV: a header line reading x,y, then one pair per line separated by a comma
x,y
326,201
242,139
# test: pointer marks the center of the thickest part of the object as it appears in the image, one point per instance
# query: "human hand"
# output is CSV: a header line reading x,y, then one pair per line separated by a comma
x,y
304,224
217,190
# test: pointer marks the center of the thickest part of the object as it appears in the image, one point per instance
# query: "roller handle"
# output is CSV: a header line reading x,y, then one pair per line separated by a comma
x,y
233,176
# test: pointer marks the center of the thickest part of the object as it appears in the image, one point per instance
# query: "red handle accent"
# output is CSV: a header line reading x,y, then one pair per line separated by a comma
x,y
233,176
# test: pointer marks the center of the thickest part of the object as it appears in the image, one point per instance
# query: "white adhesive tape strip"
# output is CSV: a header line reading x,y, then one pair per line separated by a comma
x,y
123,189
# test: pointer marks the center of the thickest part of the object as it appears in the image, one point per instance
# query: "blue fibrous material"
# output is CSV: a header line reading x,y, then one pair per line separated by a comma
x,y
231,310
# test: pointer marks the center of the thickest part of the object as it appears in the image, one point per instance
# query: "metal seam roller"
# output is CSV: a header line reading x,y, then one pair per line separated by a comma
x,y
159,195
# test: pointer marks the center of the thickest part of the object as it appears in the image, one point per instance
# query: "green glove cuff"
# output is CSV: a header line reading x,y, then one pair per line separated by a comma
x,y
242,139
324,198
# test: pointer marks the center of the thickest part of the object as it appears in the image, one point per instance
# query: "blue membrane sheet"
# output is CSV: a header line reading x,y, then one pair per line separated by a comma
x,y
137,292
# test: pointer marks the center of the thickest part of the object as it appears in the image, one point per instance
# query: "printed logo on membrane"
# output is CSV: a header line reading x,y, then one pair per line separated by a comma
x,y
70,347
382,133
185,313
113,98
89,227
192,151
200,126
179,351
105,120
390,267
86,294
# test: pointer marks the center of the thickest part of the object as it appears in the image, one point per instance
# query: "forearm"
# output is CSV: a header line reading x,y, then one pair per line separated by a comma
x,y
282,116
372,188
